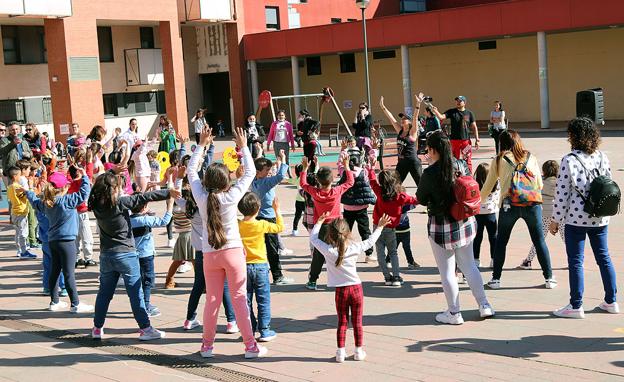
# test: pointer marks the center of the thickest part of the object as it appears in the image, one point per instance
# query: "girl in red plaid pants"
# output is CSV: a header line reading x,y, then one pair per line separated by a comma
x,y
341,256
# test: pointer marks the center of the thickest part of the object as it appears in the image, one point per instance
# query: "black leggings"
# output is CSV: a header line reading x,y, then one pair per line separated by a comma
x,y
299,208
409,166
170,230
317,258
63,259
197,138
361,218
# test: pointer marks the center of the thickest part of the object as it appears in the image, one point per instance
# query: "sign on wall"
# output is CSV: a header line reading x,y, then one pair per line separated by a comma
x,y
84,68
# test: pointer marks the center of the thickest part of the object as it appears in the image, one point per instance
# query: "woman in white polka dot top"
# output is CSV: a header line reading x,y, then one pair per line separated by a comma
x,y
568,209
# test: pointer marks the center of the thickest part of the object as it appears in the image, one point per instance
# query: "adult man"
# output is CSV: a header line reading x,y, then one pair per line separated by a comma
x,y
462,120
12,149
72,140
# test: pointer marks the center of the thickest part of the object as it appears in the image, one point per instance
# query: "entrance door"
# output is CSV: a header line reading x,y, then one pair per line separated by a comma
x,y
216,89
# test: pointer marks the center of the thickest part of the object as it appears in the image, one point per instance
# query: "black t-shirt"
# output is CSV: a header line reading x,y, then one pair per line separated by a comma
x,y
406,147
307,126
460,123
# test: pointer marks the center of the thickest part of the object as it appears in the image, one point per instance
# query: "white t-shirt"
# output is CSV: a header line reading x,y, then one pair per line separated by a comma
x,y
198,124
498,114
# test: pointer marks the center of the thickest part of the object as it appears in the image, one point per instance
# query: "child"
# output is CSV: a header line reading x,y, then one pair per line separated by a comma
x,y
19,212
118,256
60,209
264,187
326,199
403,237
142,170
391,198
348,149
154,166
486,218
183,250
341,255
550,171
142,225
253,233
85,236
300,203
29,169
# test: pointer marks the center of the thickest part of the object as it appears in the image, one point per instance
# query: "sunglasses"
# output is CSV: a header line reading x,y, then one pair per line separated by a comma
x,y
362,107
2,130
28,130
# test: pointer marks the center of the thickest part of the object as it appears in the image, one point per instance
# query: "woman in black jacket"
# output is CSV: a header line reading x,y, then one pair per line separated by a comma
x,y
255,134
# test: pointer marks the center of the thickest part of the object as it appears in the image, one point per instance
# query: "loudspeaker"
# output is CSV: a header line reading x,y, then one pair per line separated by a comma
x,y
590,104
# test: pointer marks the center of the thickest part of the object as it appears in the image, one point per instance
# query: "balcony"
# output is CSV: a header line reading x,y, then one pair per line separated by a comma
x,y
209,10
144,67
36,8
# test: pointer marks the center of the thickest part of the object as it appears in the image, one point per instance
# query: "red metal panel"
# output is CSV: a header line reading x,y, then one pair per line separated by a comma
x,y
265,45
424,28
535,15
584,14
306,41
470,22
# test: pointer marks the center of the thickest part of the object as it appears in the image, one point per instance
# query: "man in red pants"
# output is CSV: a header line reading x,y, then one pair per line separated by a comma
x,y
462,120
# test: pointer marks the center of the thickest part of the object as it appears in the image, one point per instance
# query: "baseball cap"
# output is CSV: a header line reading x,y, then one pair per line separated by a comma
x,y
138,143
58,179
402,115
460,98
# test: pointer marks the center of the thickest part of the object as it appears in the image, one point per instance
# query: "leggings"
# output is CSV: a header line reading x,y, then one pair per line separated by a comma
x,y
199,287
445,259
485,222
351,298
409,166
63,260
299,208
545,226
218,265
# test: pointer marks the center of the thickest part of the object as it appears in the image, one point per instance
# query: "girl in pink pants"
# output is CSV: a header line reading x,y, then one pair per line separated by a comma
x,y
222,246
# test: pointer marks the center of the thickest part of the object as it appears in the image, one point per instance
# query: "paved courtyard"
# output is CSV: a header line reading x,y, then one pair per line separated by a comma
x,y
524,342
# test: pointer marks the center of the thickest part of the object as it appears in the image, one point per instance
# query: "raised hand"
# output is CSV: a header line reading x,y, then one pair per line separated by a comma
x,y
239,137
276,205
305,164
205,138
381,102
282,156
419,97
384,221
175,194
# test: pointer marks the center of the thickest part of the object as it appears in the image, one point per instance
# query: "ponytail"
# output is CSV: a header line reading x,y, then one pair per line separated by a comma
x,y
338,236
49,195
216,233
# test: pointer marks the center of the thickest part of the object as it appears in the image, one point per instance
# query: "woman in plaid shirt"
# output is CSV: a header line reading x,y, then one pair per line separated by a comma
x,y
451,240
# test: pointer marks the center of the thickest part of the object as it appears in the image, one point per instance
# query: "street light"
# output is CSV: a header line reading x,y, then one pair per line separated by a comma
x,y
363,4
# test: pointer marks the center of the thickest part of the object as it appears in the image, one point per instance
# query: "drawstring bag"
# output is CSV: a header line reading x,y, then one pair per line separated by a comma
x,y
524,190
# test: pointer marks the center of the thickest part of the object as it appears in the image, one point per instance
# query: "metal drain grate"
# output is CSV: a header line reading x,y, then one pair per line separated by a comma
x,y
133,352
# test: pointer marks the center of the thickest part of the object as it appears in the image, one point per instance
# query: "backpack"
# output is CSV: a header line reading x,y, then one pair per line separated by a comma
x,y
524,190
603,198
467,197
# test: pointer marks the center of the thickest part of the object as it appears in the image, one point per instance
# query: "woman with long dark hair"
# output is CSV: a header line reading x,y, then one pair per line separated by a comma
x,y
497,119
451,240
513,157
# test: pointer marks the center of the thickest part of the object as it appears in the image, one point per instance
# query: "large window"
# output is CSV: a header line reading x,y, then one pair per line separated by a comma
x,y
129,104
23,45
347,63
313,65
147,37
272,18
105,44
408,6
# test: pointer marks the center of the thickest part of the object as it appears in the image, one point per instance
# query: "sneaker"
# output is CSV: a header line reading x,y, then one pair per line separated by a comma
x,y
359,355
61,305
413,265
613,308
153,311
28,256
63,293
97,333
35,246
569,312
447,317
294,232
494,284
388,265
80,263
477,262
550,283
231,328
171,243
170,284
90,263
486,311
311,285
256,351
267,335
191,324
388,280
81,308
526,264
185,267
150,333
285,252
341,354
206,351
397,281
284,281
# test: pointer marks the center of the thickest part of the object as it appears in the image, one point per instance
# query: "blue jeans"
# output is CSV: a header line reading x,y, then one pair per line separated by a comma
x,y
199,288
126,265
532,215
258,283
148,277
575,248
47,263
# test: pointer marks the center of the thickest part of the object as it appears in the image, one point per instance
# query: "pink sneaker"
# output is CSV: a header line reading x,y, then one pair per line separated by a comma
x,y
97,333
206,351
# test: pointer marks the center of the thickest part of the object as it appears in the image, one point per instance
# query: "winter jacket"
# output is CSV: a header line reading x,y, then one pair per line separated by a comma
x,y
361,193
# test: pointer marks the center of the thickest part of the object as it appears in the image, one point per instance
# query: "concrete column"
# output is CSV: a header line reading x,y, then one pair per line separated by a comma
x,y
255,91
407,80
173,71
238,71
294,67
542,59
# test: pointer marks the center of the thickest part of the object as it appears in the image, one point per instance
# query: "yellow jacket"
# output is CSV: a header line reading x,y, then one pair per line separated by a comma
x,y
252,232
504,175
19,203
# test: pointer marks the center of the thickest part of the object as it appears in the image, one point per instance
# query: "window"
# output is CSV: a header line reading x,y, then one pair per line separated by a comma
x,y
110,105
23,45
313,65
351,20
409,6
382,54
147,37
272,18
105,44
130,104
487,45
336,20
347,63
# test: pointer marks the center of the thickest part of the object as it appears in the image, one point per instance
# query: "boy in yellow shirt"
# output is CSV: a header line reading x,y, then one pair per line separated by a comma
x,y
19,212
252,233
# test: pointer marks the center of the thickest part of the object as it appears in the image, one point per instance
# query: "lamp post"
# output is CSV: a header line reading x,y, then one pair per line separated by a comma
x,y
363,4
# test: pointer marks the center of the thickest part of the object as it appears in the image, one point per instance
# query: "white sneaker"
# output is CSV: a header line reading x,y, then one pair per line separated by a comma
x,y
97,333
81,308
286,252
185,267
191,324
494,284
360,354
486,311
256,352
341,354
294,232
231,328
550,283
61,305
171,243
206,351
568,312
613,308
447,318
150,333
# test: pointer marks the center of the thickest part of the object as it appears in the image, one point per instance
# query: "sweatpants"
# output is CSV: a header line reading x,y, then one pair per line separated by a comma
x,y
85,236
388,240
349,299
63,260
21,231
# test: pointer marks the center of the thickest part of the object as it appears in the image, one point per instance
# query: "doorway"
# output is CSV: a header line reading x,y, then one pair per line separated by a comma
x,y
216,90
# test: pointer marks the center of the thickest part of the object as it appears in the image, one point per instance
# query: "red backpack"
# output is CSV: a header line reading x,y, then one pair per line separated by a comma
x,y
467,197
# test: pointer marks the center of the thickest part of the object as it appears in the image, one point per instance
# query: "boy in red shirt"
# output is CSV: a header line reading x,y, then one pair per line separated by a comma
x,y
326,199
85,236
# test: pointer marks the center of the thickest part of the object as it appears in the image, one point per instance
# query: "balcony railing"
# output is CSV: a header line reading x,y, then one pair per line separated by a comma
x,y
209,10
144,67
36,8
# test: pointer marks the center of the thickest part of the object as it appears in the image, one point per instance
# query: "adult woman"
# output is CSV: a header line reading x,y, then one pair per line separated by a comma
x,y
199,122
254,133
407,139
363,127
36,141
497,119
451,240
512,156
281,134
166,134
573,178
308,129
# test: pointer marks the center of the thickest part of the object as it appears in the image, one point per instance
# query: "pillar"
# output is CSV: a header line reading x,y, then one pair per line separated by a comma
x,y
255,91
294,67
238,72
542,59
173,71
407,80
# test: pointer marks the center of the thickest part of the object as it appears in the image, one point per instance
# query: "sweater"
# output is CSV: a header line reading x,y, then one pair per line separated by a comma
x,y
62,217
346,273
75,187
361,193
327,200
252,233
504,175
548,196
393,208
265,189
19,203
